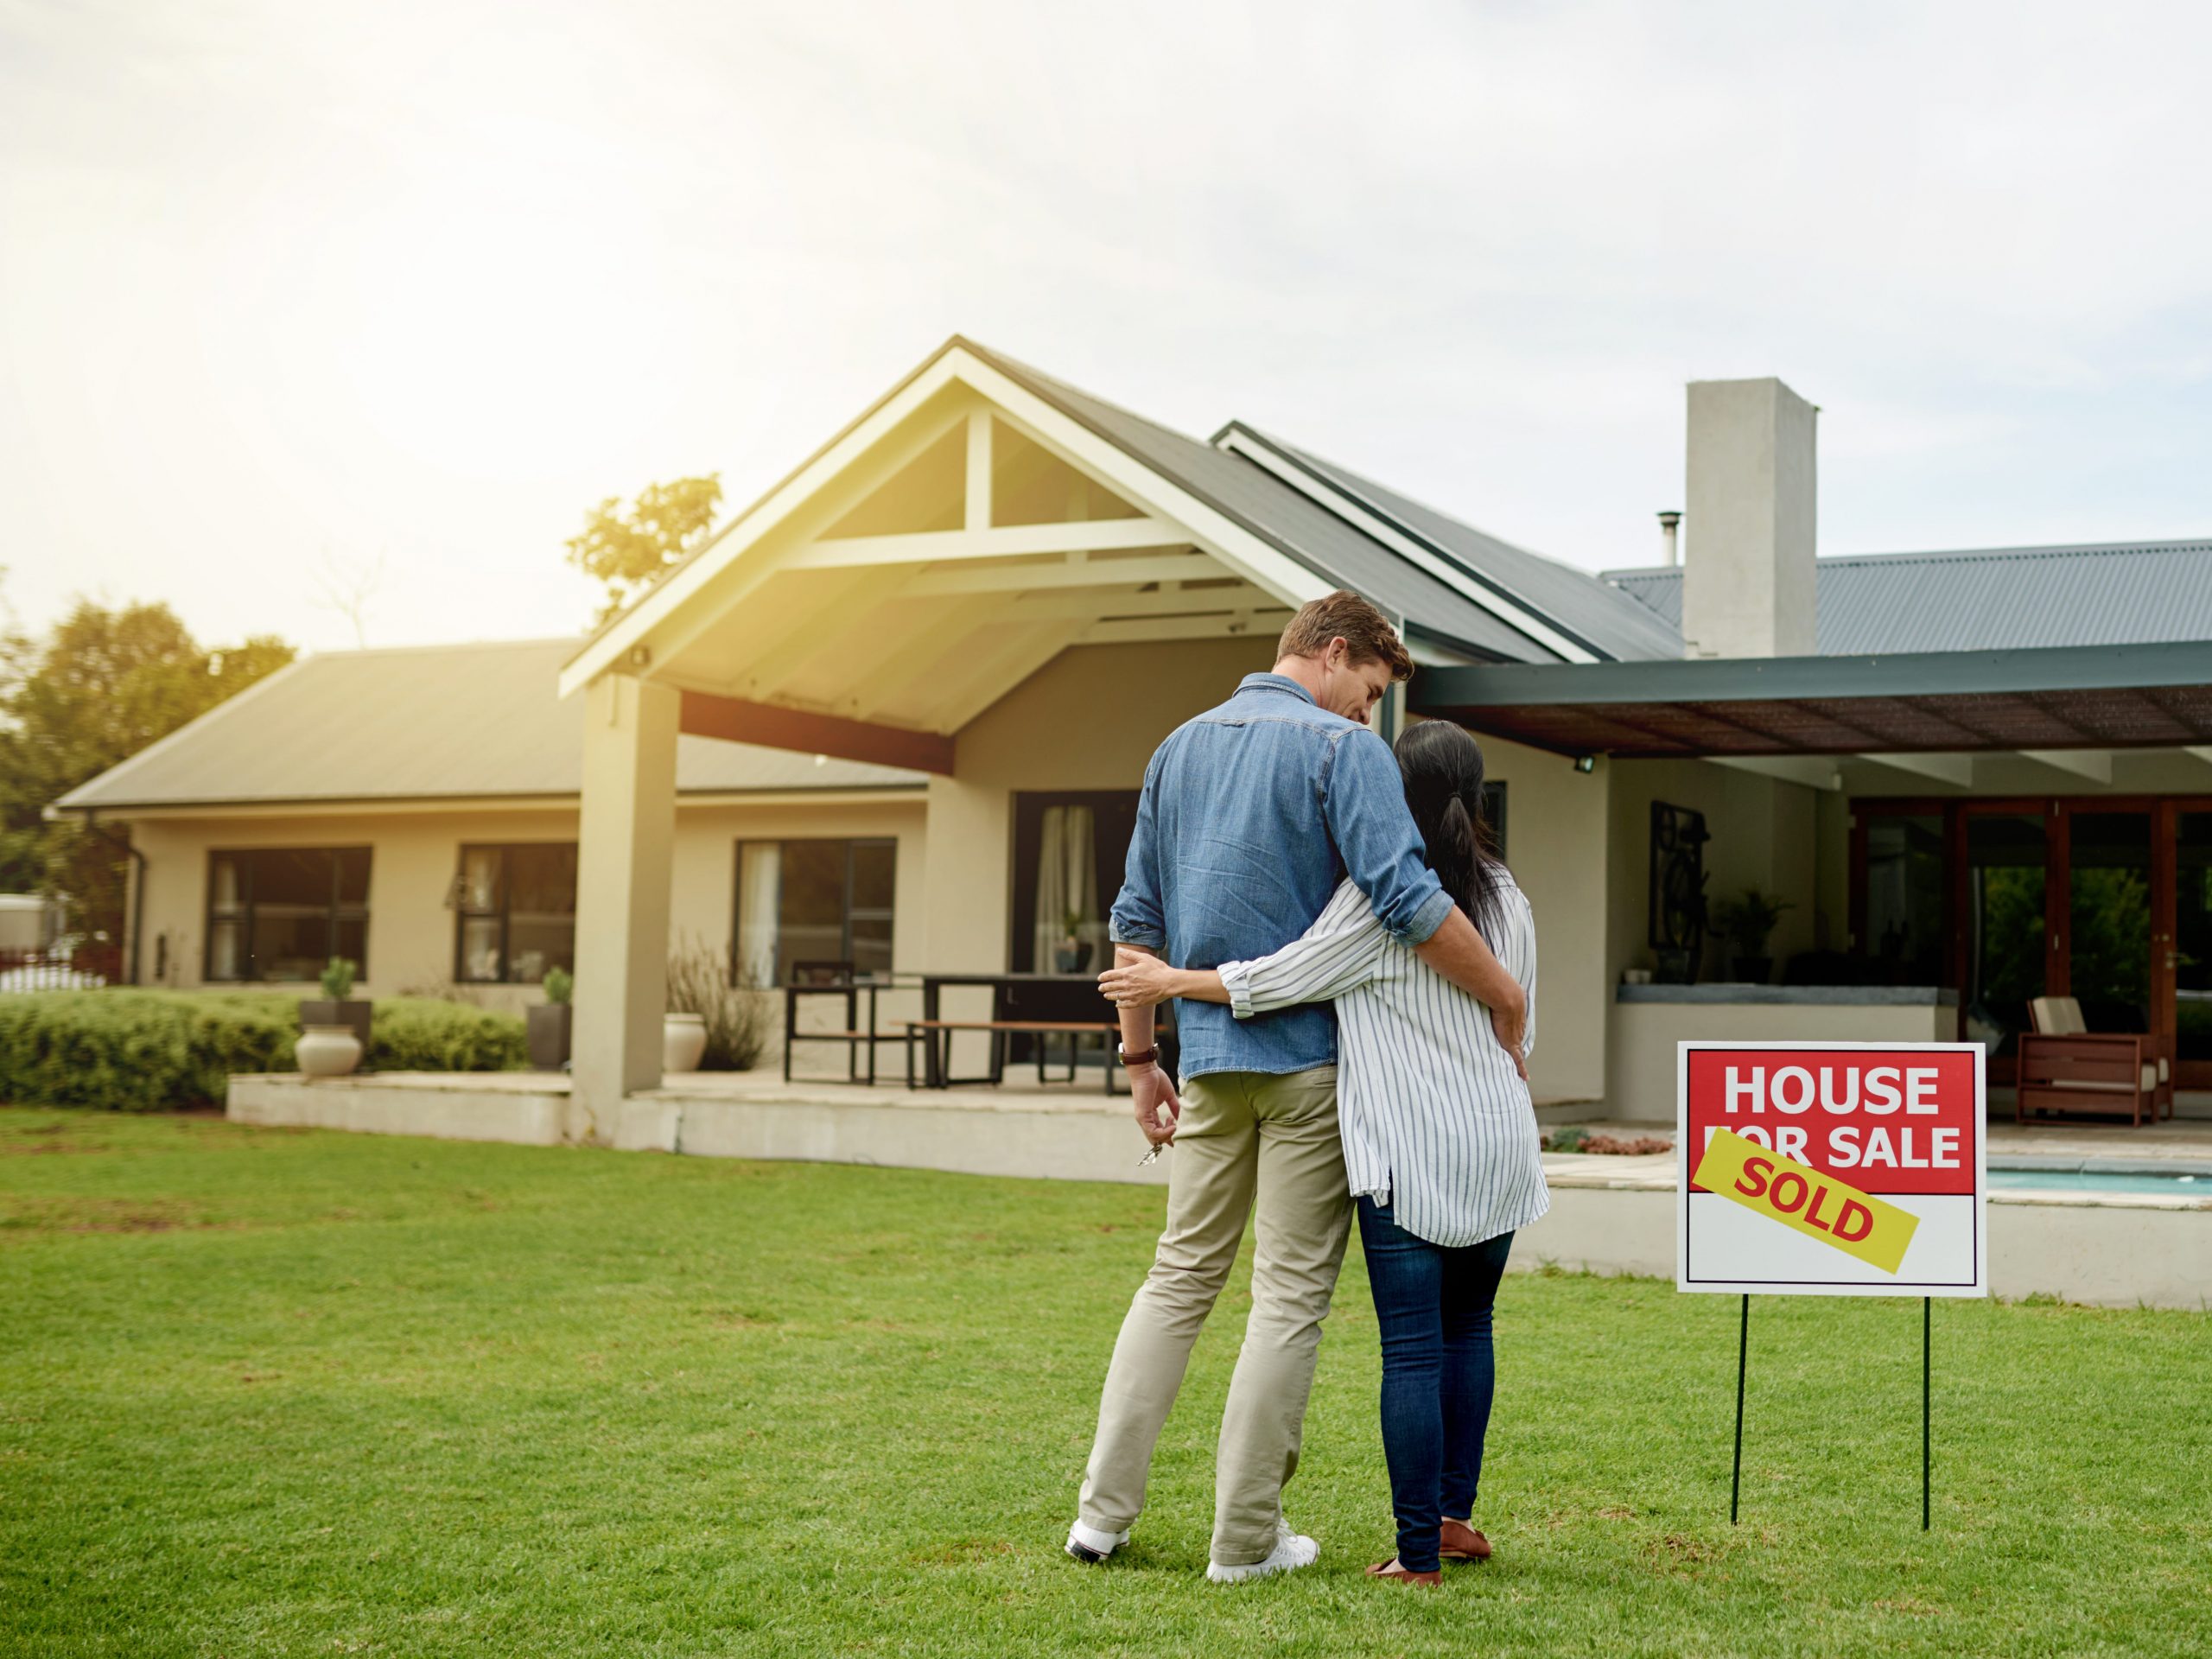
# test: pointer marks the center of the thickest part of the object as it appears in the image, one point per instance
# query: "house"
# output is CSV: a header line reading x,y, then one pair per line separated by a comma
x,y
896,712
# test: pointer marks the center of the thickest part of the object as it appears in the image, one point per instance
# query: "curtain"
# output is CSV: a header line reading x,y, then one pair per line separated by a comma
x,y
759,889
1067,887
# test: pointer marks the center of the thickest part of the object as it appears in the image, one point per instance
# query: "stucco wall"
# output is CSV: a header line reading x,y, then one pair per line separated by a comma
x,y
1764,833
1555,843
416,856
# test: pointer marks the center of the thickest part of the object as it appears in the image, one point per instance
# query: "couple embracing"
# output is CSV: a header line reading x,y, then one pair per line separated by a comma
x,y
1358,971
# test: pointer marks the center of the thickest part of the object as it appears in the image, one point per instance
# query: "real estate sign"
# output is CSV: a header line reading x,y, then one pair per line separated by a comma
x,y
1836,1169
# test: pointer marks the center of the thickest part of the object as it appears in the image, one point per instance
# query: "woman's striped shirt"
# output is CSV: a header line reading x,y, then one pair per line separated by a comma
x,y
1436,1122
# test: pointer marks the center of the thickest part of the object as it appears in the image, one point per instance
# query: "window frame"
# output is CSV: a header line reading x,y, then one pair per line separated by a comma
x,y
246,917
462,915
849,914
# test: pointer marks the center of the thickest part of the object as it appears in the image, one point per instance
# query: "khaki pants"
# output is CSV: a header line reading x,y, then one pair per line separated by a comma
x,y
1242,1132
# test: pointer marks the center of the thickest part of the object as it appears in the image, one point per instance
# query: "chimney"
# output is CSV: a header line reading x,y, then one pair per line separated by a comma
x,y
1747,577
1670,522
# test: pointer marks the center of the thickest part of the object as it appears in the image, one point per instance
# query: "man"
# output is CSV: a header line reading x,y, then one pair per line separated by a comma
x,y
1251,814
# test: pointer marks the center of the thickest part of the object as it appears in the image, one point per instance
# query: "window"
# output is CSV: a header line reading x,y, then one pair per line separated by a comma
x,y
282,912
1494,816
813,901
516,912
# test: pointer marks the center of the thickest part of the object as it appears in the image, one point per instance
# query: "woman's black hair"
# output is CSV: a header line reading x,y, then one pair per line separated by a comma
x,y
1442,770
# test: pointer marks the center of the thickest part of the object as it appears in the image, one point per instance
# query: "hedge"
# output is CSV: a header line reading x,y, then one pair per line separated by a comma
x,y
136,1050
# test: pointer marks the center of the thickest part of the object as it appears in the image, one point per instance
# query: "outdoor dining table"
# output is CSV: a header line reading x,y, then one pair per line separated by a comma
x,y
1006,991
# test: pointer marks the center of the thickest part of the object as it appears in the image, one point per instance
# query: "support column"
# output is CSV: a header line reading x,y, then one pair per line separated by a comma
x,y
624,840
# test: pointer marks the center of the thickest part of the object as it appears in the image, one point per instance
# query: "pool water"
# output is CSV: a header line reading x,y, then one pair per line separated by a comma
x,y
2076,1180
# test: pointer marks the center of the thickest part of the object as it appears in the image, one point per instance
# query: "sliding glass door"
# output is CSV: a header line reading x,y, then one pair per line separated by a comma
x,y
2109,901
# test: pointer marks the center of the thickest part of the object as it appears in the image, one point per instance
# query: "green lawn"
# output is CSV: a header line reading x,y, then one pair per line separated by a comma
x,y
273,1392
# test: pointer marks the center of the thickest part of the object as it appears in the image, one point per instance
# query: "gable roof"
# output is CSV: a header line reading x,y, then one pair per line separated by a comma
x,y
1990,599
421,722
1287,519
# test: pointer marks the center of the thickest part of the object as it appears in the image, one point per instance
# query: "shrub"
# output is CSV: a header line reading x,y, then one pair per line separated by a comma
x,y
739,1017
134,1051
142,1050
408,1033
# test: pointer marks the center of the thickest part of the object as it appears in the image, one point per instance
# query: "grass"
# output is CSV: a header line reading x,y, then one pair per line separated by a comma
x,y
273,1392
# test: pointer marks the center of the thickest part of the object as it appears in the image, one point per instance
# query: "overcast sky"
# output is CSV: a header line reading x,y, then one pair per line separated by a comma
x,y
292,288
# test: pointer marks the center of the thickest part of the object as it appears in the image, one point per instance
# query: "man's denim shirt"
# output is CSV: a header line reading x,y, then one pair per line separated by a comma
x,y
1251,814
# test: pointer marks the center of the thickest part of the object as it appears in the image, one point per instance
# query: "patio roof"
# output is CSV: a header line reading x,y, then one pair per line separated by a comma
x,y
2058,698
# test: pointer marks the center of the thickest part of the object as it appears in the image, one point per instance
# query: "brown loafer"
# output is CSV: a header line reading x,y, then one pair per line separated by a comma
x,y
1457,1541
1391,1569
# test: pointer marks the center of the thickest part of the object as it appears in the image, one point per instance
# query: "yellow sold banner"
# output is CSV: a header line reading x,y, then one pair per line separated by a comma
x,y
1815,1202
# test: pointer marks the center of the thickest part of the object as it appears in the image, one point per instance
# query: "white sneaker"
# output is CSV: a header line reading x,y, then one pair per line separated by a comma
x,y
1292,1551
1089,1545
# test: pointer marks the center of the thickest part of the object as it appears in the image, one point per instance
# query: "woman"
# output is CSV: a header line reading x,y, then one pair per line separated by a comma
x,y
1440,1141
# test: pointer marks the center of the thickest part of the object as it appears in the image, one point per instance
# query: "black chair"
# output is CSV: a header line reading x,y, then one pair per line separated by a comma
x,y
837,979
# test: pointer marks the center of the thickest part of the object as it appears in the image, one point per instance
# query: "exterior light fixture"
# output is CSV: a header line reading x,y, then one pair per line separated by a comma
x,y
1586,763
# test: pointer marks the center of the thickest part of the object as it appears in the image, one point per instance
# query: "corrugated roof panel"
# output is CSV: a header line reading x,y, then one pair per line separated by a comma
x,y
422,721
1990,599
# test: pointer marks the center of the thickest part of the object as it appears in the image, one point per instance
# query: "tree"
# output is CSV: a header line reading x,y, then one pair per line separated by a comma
x,y
102,686
630,552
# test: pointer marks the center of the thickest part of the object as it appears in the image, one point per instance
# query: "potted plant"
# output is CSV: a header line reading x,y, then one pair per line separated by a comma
x,y
1068,956
1747,923
338,1008
551,1022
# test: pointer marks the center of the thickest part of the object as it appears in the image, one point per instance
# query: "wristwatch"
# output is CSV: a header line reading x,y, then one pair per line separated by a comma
x,y
1142,1057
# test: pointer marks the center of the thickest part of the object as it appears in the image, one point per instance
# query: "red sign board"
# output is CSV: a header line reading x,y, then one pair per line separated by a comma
x,y
1806,1132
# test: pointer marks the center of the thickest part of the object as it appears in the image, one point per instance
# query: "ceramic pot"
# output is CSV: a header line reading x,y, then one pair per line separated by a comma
x,y
327,1051
682,1040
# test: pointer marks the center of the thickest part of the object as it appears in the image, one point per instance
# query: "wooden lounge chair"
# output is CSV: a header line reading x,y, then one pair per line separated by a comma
x,y
2065,1067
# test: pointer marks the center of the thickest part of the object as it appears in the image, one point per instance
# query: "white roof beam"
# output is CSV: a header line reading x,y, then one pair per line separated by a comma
x,y
1075,571
1812,770
1008,542
1954,769
1093,607
1262,624
2096,765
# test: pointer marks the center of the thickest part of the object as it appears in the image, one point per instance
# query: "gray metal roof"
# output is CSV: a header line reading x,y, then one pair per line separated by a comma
x,y
425,721
1993,599
1292,521
1600,615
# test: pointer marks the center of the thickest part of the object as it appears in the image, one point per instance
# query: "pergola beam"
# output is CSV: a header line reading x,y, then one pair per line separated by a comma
x,y
1955,769
2096,765
1811,770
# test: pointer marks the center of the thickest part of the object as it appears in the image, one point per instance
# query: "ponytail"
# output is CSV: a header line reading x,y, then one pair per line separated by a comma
x,y
1443,769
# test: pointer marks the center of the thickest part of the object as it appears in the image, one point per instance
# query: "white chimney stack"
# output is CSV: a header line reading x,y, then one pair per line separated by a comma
x,y
1670,522
1747,578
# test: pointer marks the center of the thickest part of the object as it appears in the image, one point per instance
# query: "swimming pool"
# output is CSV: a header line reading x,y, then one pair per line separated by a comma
x,y
2082,1180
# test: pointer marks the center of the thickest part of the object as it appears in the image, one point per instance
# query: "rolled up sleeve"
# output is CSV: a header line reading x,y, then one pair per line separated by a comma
x,y
1363,801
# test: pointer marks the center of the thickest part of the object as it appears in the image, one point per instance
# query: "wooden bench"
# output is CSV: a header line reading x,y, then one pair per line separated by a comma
x,y
936,1052
2064,1067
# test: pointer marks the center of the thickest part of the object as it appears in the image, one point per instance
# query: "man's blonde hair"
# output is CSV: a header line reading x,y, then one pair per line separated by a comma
x,y
1345,615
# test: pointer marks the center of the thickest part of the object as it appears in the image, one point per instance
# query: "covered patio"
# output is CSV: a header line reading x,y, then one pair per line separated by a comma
x,y
948,546
2002,828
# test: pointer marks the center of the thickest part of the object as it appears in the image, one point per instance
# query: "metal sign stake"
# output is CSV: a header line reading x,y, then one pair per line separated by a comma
x,y
1743,1348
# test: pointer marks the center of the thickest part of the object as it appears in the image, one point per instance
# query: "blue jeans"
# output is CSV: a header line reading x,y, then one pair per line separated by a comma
x,y
1433,1305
